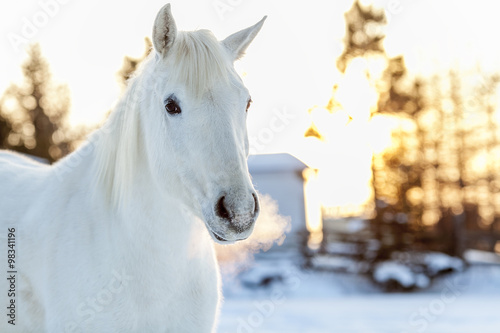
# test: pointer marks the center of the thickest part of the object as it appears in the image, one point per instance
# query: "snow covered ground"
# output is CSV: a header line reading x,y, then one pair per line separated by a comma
x,y
275,296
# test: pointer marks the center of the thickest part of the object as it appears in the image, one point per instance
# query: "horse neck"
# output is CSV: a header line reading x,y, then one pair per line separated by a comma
x,y
148,219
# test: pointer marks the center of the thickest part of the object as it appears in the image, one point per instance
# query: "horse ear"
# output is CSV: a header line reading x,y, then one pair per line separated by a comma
x,y
238,42
164,30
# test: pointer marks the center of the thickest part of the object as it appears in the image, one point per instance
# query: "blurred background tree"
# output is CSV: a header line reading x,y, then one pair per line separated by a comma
x,y
5,128
130,64
436,187
364,34
33,114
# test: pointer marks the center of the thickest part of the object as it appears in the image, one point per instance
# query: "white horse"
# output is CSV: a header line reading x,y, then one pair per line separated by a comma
x,y
117,236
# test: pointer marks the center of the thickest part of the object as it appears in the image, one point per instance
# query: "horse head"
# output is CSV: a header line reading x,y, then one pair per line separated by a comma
x,y
200,105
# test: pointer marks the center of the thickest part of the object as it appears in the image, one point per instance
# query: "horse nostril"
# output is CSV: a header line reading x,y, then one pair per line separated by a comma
x,y
221,210
256,205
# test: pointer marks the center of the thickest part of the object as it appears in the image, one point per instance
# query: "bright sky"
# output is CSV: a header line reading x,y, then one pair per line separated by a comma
x,y
289,68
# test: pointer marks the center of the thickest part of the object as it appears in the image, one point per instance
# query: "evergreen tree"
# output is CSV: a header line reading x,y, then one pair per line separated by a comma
x,y
364,34
33,114
130,64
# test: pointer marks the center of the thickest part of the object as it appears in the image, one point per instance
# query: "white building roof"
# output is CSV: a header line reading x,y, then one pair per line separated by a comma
x,y
268,163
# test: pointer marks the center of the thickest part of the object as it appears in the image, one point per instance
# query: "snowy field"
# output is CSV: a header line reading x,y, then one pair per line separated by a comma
x,y
295,301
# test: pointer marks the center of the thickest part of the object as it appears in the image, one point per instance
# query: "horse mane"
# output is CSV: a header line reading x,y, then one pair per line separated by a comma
x,y
118,147
197,61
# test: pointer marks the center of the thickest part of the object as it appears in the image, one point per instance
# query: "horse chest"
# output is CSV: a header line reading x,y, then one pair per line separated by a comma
x,y
187,301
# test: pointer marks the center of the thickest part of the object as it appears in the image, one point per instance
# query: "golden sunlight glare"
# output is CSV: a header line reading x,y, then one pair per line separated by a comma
x,y
350,135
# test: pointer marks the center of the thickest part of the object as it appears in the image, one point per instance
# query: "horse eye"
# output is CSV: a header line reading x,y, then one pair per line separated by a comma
x,y
249,103
172,107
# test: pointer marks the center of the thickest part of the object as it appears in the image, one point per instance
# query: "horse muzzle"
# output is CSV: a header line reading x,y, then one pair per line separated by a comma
x,y
234,216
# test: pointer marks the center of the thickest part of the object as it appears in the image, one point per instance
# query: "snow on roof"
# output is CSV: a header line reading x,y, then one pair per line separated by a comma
x,y
481,257
438,262
274,163
391,270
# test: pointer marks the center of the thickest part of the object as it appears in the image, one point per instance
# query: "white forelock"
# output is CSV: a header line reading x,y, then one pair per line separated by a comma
x,y
197,60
